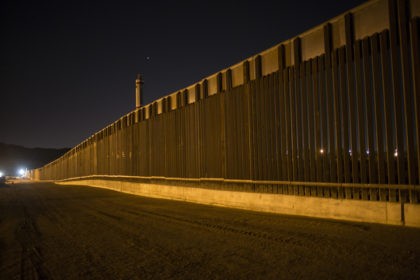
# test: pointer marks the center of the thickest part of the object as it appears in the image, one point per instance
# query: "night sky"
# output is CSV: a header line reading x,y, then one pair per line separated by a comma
x,y
68,68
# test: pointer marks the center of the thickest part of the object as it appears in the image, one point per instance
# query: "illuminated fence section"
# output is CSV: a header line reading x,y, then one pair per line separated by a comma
x,y
334,112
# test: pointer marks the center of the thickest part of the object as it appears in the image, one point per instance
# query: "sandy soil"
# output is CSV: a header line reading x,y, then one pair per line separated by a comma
x,y
69,232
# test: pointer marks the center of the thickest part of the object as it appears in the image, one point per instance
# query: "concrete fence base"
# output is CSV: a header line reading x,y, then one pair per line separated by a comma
x,y
391,213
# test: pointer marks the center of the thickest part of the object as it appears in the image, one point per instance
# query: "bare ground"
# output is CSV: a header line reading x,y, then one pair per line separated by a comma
x,y
70,232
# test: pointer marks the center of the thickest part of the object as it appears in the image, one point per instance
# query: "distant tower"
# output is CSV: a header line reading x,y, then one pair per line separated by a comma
x,y
139,84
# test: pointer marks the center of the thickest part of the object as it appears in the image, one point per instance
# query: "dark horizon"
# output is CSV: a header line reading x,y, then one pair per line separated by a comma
x,y
14,158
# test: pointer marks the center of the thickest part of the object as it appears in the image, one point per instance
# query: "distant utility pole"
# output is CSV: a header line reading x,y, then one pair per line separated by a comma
x,y
139,84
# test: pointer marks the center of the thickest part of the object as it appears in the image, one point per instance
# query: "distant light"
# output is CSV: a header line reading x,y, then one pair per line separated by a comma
x,y
367,152
1,174
321,151
350,152
21,172
396,153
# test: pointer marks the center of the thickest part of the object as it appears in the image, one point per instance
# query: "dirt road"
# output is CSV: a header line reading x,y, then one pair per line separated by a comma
x,y
69,232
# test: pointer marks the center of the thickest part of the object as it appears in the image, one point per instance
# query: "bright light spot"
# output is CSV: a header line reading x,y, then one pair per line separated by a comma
x,y
321,151
21,172
396,153
350,152
367,152
1,174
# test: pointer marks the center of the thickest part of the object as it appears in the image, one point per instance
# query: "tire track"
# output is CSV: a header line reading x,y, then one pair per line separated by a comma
x,y
28,236
120,227
125,235
284,237
75,243
291,240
